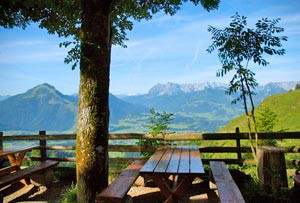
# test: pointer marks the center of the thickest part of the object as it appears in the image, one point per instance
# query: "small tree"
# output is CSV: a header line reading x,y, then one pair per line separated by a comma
x,y
238,48
266,120
297,87
159,125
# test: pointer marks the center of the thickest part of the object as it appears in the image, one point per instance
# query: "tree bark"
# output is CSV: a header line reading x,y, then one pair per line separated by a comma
x,y
271,168
93,107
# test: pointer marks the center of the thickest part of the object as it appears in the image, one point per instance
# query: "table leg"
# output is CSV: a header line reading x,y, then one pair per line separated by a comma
x,y
179,189
17,162
182,187
163,186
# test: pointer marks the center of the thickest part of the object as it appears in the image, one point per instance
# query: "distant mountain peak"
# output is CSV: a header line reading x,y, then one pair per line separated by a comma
x,y
284,85
174,89
165,89
45,90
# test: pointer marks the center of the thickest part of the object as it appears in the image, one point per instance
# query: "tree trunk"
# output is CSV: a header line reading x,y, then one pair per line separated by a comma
x,y
271,168
93,108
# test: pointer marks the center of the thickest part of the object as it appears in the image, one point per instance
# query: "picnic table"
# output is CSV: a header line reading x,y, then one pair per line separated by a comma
x,y
14,172
15,155
183,162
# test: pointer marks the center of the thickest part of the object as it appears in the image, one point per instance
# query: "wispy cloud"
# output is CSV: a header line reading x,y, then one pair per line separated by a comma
x,y
22,43
30,51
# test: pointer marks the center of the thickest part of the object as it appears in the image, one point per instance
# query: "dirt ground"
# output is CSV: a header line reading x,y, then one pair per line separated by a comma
x,y
54,192
51,193
139,193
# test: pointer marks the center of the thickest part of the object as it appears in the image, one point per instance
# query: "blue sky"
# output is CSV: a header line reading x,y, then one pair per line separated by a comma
x,y
164,49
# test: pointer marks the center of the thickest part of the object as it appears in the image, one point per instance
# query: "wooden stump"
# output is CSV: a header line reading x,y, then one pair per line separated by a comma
x,y
271,168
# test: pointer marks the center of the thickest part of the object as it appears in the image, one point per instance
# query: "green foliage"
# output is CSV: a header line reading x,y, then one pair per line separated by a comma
x,y
286,107
239,46
70,195
297,87
266,120
254,193
159,124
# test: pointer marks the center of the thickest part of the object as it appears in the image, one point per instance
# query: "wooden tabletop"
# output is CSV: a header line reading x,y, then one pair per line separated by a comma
x,y
175,160
14,150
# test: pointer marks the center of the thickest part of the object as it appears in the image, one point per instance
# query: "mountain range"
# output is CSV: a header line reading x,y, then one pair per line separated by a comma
x,y
45,108
202,107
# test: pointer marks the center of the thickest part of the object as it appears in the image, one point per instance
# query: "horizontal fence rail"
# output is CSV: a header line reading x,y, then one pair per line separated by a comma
x,y
125,145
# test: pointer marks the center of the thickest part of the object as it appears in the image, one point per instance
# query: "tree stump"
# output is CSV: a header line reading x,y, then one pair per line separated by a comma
x,y
271,168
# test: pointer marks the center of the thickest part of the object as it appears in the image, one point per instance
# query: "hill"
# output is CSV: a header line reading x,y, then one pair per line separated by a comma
x,y
3,97
286,106
40,108
45,108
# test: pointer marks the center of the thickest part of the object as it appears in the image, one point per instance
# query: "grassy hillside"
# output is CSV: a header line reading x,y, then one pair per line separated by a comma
x,y
285,105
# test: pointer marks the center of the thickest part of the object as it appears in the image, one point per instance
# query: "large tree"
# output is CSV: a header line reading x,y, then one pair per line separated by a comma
x,y
94,26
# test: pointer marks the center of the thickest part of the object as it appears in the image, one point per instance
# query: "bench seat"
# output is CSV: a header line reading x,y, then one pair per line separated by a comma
x,y
227,188
26,172
118,189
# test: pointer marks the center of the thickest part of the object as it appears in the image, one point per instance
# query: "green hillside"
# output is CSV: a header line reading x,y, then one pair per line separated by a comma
x,y
285,105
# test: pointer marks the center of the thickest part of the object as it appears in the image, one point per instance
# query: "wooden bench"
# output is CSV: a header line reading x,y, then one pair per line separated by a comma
x,y
118,189
227,189
26,172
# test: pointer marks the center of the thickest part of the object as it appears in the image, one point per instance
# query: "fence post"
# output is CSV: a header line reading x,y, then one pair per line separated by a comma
x,y
1,140
238,144
42,145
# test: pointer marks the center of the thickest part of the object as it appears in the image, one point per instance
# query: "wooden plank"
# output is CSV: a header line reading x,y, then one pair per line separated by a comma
x,y
225,149
187,136
196,165
153,161
164,161
184,163
27,172
15,150
227,188
118,189
130,148
174,162
8,170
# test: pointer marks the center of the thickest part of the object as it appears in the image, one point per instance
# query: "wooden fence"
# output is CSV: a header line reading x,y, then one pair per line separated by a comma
x,y
125,143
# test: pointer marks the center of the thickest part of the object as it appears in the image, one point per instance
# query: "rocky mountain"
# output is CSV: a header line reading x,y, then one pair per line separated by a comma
x,y
45,108
175,89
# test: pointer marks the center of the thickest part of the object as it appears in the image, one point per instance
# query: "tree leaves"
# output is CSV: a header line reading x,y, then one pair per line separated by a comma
x,y
238,45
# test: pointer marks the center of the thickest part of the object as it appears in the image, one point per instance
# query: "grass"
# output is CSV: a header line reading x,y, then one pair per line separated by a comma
x,y
70,195
286,106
